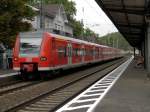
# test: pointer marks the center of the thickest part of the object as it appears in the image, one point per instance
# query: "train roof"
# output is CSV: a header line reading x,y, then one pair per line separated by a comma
x,y
29,34
75,40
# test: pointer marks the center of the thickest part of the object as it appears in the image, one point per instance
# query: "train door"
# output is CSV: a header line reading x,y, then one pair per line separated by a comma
x,y
69,50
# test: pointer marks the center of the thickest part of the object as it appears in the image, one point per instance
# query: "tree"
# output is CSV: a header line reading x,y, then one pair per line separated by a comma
x,y
89,35
115,40
13,14
77,28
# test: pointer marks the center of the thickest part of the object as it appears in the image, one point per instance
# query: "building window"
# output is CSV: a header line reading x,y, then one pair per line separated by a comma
x,y
55,26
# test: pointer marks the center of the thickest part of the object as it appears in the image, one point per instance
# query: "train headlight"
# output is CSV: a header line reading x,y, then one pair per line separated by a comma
x,y
43,58
15,59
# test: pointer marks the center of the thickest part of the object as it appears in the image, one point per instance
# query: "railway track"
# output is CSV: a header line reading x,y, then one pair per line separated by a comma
x,y
57,95
16,86
10,83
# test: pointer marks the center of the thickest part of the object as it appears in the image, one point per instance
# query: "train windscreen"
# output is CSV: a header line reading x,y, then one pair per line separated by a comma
x,y
30,44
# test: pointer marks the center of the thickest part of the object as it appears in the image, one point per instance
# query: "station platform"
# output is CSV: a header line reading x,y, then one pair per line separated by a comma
x,y
131,93
5,73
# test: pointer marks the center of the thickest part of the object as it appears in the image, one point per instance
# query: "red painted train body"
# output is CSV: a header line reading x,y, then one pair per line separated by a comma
x,y
43,51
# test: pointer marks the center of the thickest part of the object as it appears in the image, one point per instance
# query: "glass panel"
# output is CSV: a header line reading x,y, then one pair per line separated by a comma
x,y
30,44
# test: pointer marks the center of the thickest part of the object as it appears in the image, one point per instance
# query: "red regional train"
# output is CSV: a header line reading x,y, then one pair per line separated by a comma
x,y
43,51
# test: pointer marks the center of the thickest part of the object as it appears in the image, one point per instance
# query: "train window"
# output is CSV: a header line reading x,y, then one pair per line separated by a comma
x,y
86,52
96,52
53,43
67,51
65,48
79,52
75,52
91,53
82,52
61,52
30,44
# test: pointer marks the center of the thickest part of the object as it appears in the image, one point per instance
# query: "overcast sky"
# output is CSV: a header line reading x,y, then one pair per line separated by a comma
x,y
93,17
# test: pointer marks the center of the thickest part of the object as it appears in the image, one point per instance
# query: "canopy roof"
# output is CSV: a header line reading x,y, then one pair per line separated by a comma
x,y
129,17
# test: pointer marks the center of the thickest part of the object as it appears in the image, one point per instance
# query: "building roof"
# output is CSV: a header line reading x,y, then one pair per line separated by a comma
x,y
129,17
51,9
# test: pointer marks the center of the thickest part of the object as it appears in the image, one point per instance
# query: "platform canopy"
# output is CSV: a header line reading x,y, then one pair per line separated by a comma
x,y
129,16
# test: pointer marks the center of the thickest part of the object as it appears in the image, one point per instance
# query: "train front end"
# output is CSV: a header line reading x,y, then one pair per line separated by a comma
x,y
27,54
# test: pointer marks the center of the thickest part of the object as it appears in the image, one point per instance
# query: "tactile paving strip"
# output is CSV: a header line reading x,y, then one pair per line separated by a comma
x,y
87,100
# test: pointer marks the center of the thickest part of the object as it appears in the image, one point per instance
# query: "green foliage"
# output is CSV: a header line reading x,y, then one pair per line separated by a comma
x,y
88,32
115,40
12,14
90,35
77,28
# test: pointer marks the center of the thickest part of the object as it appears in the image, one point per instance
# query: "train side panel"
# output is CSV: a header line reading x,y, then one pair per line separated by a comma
x,y
59,51
16,65
76,53
45,56
52,52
